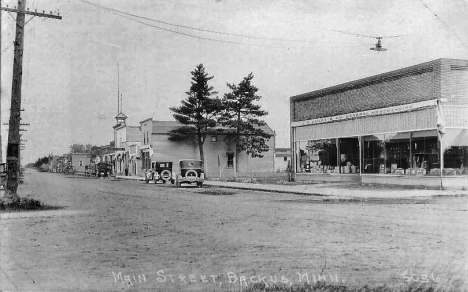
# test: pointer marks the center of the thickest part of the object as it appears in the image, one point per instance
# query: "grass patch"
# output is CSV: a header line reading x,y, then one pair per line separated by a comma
x,y
217,192
25,204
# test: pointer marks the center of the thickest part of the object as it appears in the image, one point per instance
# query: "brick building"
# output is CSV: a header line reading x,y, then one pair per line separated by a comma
x,y
407,126
219,155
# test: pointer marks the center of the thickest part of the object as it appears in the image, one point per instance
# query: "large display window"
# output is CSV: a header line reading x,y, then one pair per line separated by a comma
x,y
397,153
425,151
316,156
373,153
349,155
403,153
456,152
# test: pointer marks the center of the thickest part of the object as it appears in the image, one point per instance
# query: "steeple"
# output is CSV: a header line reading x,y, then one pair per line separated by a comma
x,y
120,117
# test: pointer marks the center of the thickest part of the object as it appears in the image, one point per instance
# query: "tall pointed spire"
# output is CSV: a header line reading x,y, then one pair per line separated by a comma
x,y
118,89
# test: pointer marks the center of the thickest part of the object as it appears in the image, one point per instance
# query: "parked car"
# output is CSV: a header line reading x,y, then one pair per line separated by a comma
x,y
103,169
69,170
191,171
90,170
160,171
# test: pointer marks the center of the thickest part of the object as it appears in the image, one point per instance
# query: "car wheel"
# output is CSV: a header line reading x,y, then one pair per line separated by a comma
x,y
191,173
165,175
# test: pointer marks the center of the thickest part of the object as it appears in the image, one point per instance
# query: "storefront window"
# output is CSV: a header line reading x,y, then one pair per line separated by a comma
x,y
397,153
373,153
425,152
456,152
316,156
349,155
301,156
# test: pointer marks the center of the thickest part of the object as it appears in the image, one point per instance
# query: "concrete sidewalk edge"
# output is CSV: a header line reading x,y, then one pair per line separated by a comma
x,y
331,192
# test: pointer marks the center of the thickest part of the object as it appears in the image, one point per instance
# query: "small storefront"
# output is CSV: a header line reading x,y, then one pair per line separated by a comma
x,y
408,126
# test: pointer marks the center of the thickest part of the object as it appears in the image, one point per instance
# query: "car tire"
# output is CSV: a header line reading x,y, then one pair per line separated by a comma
x,y
165,175
191,171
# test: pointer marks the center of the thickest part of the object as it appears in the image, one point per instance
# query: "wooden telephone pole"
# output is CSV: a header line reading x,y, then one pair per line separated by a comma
x,y
13,148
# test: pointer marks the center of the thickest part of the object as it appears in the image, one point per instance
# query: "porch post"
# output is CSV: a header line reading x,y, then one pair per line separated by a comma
x,y
360,154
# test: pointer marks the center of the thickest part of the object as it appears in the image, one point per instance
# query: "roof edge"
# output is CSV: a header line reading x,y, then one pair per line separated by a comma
x,y
361,81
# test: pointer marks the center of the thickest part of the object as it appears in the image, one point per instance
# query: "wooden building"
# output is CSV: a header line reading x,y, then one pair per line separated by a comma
x,y
219,153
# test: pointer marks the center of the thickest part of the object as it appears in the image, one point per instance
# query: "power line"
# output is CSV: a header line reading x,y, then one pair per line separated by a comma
x,y
444,23
124,15
195,28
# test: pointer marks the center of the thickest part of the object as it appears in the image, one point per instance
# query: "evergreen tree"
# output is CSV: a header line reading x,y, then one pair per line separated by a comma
x,y
243,114
199,112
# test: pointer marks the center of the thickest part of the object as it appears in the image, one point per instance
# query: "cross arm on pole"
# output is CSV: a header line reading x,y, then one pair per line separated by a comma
x,y
35,13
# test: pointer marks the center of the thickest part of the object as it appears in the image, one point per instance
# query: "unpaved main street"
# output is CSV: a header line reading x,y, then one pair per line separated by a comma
x,y
118,235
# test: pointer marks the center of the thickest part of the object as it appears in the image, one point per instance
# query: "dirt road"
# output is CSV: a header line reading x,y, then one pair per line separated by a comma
x,y
119,235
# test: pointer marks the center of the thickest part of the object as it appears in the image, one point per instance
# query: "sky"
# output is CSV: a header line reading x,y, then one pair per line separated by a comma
x,y
70,76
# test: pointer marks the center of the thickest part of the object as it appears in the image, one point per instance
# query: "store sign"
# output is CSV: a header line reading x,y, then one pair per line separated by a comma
x,y
376,112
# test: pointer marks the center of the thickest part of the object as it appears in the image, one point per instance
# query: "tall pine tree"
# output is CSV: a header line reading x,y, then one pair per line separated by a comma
x,y
242,114
199,112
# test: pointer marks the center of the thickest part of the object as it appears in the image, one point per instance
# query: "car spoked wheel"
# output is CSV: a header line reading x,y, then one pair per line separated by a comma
x,y
191,174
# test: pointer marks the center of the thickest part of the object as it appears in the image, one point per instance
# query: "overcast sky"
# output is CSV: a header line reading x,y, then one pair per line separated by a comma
x,y
292,47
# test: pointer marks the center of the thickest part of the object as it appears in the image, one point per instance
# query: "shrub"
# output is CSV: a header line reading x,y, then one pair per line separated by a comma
x,y
23,204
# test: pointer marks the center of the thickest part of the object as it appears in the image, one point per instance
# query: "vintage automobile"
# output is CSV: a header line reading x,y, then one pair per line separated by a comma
x,y
191,171
69,170
160,171
90,169
103,169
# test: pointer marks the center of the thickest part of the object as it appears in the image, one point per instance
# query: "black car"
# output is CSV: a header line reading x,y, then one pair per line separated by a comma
x,y
160,171
103,169
191,171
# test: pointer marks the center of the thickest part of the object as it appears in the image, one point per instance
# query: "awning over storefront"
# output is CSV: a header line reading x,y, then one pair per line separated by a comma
x,y
455,137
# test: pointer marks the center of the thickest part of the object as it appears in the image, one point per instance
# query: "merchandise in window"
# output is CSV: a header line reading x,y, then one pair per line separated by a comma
x,y
316,156
373,153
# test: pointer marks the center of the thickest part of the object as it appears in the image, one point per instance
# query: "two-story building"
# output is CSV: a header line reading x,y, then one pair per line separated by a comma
x,y
79,161
219,152
126,139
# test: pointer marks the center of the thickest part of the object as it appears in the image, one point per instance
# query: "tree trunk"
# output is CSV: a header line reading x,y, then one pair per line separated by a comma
x,y
202,153
237,144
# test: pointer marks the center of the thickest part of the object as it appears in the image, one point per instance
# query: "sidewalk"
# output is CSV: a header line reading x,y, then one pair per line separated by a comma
x,y
337,192
327,190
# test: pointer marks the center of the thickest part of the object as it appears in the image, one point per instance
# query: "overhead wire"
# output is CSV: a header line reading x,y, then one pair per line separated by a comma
x,y
195,28
132,17
444,23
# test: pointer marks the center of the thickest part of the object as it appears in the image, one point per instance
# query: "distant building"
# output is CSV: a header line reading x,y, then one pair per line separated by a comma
x,y
53,162
282,159
219,153
126,139
79,161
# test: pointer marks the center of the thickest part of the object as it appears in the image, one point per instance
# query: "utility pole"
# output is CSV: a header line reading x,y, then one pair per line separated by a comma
x,y
13,148
1,147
